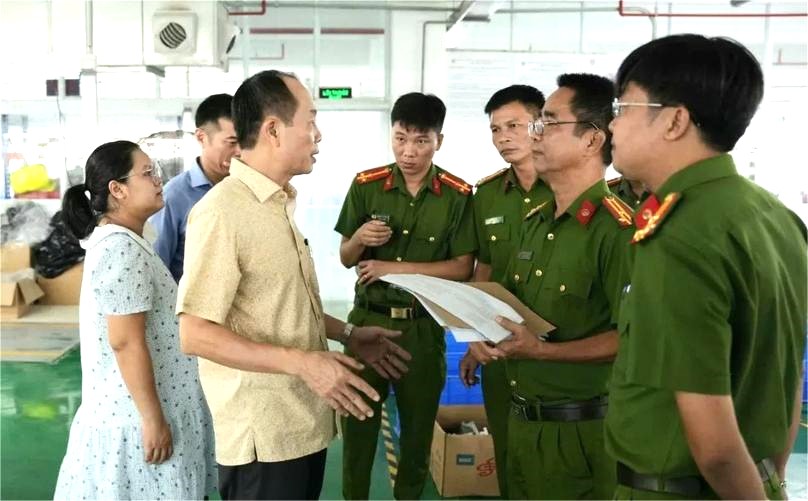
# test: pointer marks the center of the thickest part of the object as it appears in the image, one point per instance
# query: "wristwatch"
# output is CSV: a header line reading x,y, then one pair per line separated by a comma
x,y
346,332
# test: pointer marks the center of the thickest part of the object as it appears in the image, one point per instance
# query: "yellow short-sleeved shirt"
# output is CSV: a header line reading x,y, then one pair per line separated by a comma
x,y
248,268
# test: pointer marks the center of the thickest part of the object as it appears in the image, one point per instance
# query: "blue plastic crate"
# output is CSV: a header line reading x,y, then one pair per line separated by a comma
x,y
453,346
805,377
454,393
453,363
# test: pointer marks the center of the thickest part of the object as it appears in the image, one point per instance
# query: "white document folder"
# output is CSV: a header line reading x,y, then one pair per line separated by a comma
x,y
469,310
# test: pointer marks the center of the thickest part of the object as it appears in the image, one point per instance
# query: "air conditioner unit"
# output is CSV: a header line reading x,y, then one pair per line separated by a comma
x,y
189,33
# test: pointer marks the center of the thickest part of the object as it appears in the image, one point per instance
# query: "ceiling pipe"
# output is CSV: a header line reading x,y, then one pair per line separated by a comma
x,y
323,31
631,13
458,15
359,6
260,12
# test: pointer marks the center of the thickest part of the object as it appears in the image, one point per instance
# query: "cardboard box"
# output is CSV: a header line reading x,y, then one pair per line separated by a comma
x,y
14,256
462,465
64,289
18,291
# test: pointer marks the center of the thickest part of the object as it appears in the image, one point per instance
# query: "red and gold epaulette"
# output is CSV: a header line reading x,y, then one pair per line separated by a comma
x,y
491,177
367,176
611,183
455,182
651,214
620,211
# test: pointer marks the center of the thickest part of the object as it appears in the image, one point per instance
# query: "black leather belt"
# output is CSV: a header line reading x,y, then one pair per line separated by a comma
x,y
394,312
583,410
691,486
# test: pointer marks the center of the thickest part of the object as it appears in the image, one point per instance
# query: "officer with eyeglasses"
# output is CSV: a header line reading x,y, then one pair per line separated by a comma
x,y
500,203
569,268
705,395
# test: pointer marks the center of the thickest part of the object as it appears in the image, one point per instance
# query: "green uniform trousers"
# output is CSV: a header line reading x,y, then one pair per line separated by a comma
x,y
417,395
553,460
771,486
497,400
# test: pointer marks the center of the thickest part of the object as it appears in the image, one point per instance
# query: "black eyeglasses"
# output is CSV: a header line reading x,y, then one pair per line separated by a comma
x,y
536,127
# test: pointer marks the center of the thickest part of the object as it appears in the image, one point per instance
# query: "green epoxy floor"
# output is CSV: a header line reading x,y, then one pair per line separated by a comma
x,y
37,402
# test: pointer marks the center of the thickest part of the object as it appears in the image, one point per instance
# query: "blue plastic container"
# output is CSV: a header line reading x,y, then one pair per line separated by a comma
x,y
453,346
805,377
454,393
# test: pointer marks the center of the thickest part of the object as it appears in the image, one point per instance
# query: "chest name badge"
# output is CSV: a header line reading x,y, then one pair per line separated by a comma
x,y
525,255
494,220
385,218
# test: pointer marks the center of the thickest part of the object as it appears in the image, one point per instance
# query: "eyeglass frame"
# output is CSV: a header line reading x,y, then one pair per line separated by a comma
x,y
146,173
618,105
535,128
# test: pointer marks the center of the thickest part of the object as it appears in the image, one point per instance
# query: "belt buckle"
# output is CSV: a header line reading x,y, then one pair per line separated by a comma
x,y
400,313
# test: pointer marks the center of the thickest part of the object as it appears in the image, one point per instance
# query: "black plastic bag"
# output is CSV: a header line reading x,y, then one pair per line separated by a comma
x,y
59,251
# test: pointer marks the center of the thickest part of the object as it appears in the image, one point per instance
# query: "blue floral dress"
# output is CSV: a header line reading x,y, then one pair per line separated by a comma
x,y
105,457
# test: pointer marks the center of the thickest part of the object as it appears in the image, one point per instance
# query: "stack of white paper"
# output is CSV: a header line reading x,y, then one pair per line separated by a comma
x,y
476,308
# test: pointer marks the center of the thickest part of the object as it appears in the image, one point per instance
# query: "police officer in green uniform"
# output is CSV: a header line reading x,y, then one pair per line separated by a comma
x,y
500,204
569,268
705,389
631,192
407,217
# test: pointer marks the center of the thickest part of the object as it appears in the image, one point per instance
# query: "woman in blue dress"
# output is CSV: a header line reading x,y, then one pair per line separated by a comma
x,y
143,430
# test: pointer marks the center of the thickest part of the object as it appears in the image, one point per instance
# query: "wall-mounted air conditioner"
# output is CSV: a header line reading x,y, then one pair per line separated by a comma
x,y
186,33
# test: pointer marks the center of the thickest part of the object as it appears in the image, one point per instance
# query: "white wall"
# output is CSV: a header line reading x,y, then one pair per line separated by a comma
x,y
46,40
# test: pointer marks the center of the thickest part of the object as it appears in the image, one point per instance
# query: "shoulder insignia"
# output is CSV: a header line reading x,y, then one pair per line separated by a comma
x,y
455,182
652,214
534,210
367,176
585,212
619,210
491,177
611,183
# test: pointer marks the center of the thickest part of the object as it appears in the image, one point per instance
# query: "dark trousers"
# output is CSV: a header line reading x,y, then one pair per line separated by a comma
x,y
300,478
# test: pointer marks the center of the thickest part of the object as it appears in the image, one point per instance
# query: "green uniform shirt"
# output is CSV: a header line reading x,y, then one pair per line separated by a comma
x,y
435,225
622,188
500,205
716,306
569,270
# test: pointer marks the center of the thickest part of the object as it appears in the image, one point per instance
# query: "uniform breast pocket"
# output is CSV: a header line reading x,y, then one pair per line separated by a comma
x,y
567,290
497,233
429,245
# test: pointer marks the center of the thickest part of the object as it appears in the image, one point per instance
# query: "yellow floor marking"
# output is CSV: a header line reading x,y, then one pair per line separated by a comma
x,y
387,435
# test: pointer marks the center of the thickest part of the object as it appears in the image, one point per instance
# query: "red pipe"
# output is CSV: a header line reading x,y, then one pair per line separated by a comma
x,y
309,31
623,13
252,13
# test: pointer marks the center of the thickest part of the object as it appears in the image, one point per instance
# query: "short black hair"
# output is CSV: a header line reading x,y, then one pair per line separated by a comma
x,y
717,79
528,96
592,102
262,94
424,112
212,108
